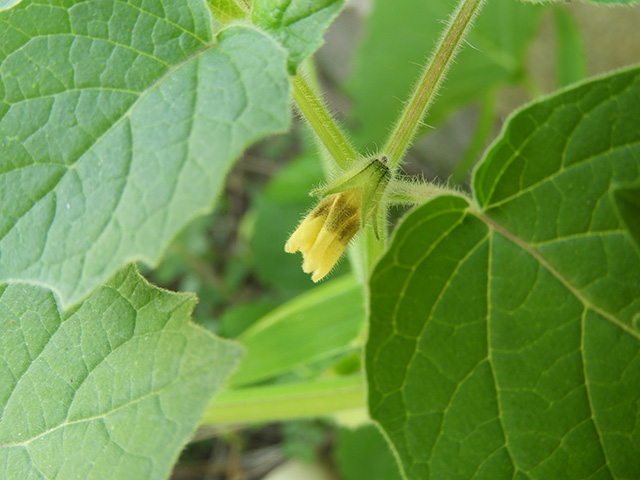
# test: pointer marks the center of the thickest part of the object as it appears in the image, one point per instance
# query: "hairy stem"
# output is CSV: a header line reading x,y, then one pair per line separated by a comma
x,y
407,192
314,111
423,93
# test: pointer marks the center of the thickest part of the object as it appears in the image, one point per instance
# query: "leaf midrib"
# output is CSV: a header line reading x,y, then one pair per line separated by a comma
x,y
545,264
66,423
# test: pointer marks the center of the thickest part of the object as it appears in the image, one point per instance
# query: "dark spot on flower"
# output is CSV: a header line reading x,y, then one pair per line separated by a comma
x,y
349,229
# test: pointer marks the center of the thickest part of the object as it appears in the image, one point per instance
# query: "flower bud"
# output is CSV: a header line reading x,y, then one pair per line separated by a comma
x,y
326,231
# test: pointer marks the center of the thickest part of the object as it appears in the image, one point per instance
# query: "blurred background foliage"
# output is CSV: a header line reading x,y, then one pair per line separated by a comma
x,y
252,291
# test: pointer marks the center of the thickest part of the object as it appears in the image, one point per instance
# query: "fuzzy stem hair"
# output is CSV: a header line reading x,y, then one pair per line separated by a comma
x,y
316,114
405,129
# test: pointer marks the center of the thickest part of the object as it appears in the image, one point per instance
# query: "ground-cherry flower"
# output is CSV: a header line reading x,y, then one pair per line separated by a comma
x,y
348,202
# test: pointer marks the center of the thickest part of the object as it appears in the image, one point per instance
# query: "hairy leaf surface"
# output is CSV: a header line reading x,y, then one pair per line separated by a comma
x,y
118,123
112,389
297,24
504,339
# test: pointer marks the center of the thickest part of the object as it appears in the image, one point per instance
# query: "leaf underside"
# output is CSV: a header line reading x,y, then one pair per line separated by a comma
x,y
297,24
116,132
112,389
504,338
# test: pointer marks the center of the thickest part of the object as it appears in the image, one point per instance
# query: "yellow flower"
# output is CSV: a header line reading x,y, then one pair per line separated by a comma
x,y
325,233
351,199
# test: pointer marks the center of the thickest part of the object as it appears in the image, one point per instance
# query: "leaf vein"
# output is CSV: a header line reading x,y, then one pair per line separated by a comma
x,y
490,361
588,393
540,259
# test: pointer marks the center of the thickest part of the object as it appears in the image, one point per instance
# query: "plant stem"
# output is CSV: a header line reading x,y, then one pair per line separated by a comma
x,y
412,192
316,114
286,401
415,109
374,248
570,57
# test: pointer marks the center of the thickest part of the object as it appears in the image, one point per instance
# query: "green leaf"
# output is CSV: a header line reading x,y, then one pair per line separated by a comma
x,y
364,453
502,341
226,11
397,37
297,24
315,325
112,142
627,200
112,389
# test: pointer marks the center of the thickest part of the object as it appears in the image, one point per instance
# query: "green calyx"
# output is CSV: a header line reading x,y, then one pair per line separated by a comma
x,y
380,188
371,176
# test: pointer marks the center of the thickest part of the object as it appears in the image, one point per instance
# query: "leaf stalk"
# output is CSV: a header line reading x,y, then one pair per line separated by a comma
x,y
314,112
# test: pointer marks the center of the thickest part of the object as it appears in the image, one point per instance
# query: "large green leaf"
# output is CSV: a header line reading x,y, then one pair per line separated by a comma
x,y
627,200
112,389
502,340
297,24
397,36
118,123
318,324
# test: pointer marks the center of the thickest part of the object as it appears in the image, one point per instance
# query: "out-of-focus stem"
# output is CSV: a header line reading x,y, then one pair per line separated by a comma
x,y
286,401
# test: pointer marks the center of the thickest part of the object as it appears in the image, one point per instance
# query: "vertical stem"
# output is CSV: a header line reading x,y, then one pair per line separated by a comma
x,y
320,120
427,86
570,58
374,247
